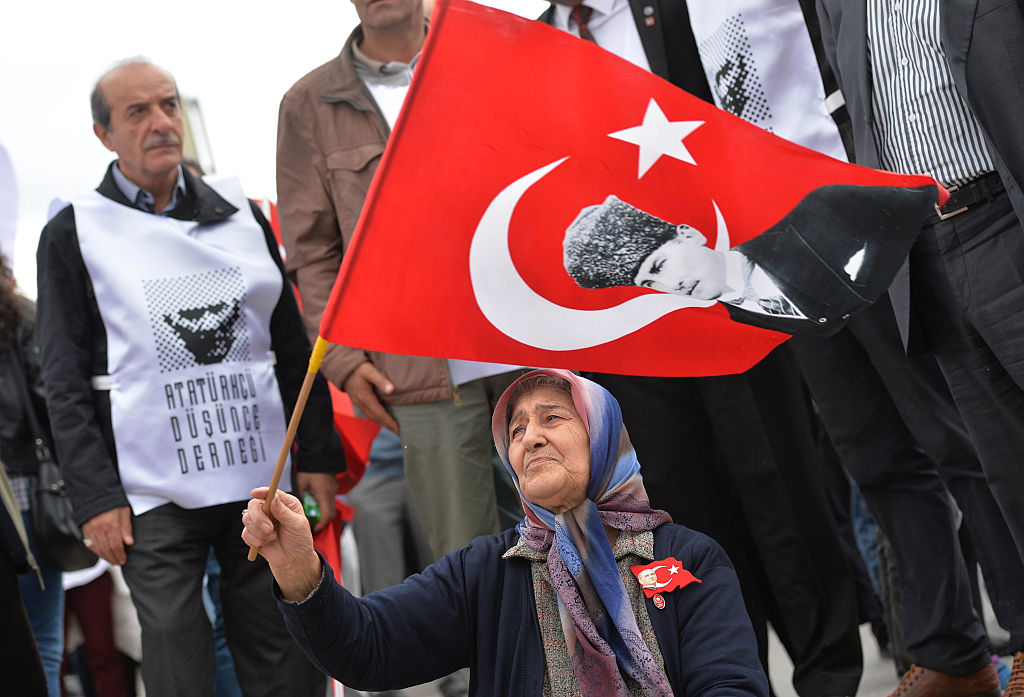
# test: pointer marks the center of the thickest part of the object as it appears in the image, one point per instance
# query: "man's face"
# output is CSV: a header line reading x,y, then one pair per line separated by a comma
x,y
145,121
684,266
382,15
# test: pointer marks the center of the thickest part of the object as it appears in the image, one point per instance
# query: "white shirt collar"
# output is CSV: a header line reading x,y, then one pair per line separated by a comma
x,y
601,8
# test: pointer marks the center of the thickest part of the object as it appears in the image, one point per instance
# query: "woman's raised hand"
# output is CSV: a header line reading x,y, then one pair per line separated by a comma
x,y
285,542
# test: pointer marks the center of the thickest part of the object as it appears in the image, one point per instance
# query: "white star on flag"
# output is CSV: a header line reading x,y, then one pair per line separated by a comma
x,y
658,136
673,569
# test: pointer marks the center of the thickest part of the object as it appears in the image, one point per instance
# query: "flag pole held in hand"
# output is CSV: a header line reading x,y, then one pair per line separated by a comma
x,y
319,348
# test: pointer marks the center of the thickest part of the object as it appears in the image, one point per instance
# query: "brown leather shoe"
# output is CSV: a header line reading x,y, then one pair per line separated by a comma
x,y
1015,688
924,682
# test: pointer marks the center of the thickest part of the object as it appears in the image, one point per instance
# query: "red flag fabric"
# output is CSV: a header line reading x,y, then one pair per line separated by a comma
x,y
328,540
662,576
512,131
357,436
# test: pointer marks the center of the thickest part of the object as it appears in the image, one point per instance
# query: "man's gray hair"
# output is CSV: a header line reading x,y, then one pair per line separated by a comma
x,y
606,245
98,101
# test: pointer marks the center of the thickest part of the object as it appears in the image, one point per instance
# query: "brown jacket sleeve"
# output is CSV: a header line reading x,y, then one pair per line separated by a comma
x,y
309,228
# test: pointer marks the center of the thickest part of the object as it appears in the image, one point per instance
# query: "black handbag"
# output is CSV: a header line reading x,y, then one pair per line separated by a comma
x,y
57,537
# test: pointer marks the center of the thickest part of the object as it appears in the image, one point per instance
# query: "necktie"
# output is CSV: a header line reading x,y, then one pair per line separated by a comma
x,y
581,15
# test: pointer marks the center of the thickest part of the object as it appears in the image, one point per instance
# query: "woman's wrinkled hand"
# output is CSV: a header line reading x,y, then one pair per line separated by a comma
x,y
285,542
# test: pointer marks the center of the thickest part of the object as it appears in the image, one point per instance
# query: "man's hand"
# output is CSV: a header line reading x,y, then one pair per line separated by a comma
x,y
323,487
285,542
360,386
109,532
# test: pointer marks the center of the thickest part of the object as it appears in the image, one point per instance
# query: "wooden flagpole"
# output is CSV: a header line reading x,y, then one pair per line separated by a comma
x,y
319,348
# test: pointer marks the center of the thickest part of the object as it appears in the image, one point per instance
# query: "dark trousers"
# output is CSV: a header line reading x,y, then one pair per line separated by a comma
x,y
165,575
733,457
20,665
967,292
896,429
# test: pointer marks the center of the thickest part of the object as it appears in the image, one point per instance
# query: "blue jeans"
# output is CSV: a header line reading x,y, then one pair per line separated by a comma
x,y
225,683
45,608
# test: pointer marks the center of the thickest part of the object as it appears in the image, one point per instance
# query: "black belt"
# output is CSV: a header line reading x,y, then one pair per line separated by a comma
x,y
961,198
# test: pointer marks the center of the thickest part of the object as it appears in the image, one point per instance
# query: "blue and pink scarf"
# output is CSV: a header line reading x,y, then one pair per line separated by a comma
x,y
597,618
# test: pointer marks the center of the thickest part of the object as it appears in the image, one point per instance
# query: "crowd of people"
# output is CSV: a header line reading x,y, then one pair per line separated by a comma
x,y
167,350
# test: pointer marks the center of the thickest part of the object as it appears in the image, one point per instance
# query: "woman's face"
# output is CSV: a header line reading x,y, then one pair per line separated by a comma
x,y
549,449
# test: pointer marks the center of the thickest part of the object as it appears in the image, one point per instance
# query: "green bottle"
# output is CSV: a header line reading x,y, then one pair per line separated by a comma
x,y
311,507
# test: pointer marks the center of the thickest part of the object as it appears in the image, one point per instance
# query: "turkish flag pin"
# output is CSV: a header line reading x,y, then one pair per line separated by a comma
x,y
662,577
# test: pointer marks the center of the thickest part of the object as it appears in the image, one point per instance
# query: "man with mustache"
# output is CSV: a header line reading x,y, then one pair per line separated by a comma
x,y
158,447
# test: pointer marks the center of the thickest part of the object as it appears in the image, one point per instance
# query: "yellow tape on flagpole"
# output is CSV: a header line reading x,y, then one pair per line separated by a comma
x,y
315,359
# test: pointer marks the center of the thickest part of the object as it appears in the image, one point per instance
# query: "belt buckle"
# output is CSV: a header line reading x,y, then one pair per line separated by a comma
x,y
946,216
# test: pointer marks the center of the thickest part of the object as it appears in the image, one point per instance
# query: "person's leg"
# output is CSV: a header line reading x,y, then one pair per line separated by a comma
x,y
45,608
510,508
377,526
20,666
762,425
909,501
267,660
225,682
164,572
449,466
91,605
968,291
922,397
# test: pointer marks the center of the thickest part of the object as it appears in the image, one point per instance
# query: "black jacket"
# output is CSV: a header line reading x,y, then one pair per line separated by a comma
x,y
73,342
16,437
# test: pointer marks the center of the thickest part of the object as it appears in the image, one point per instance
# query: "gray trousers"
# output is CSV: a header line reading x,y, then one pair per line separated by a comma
x,y
450,464
165,575
389,537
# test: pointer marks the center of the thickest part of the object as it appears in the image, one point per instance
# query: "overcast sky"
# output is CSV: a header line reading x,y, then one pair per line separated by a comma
x,y
236,58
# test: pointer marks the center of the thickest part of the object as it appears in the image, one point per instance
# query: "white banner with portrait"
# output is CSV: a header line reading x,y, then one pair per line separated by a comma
x,y
760,63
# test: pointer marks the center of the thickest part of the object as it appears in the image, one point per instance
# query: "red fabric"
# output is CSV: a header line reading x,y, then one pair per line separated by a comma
x,y
328,540
496,97
357,436
665,576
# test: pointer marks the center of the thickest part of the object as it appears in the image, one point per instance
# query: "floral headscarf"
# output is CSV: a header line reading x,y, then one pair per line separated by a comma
x,y
600,629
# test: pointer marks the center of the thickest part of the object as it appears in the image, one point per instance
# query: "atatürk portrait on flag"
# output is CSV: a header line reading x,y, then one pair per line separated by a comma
x,y
805,274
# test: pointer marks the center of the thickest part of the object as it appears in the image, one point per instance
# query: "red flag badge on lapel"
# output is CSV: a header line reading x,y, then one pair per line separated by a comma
x,y
662,576
543,202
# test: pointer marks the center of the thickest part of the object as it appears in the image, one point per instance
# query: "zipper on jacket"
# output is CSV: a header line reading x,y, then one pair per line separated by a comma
x,y
455,394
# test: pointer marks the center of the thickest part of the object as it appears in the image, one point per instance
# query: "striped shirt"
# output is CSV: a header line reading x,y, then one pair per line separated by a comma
x,y
142,199
921,123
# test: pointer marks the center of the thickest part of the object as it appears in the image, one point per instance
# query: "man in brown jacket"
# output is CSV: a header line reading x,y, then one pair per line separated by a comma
x,y
333,126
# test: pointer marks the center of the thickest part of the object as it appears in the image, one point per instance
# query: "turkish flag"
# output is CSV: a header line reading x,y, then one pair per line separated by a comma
x,y
662,576
515,137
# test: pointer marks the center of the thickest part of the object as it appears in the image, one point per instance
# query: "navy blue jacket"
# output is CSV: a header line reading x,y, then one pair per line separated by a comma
x,y
474,609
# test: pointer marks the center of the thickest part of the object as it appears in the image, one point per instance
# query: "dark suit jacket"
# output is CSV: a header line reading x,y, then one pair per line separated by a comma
x,y
806,252
984,45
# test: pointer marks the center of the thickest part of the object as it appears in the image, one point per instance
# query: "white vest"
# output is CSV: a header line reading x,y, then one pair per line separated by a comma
x,y
194,401
760,63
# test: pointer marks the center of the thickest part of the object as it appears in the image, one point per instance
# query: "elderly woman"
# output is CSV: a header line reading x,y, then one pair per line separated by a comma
x,y
594,593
